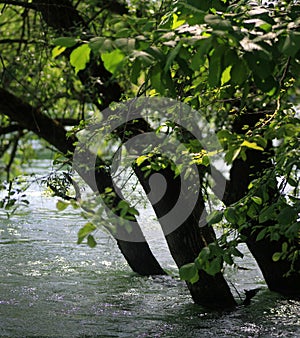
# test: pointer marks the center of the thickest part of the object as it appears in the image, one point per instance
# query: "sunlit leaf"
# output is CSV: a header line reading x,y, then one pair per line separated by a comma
x,y
61,205
251,145
177,23
257,200
226,75
189,272
80,57
85,231
141,159
113,60
57,50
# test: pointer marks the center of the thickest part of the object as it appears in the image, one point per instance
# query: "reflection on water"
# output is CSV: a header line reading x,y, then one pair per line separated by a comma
x,y
49,286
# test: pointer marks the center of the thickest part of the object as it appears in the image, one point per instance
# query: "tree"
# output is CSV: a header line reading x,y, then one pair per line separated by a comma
x,y
236,63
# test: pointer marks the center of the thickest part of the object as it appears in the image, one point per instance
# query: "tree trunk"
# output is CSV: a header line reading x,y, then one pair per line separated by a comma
x,y
62,16
241,174
138,255
186,240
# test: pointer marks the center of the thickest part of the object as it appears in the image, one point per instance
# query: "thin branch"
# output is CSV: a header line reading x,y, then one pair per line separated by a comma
x,y
68,122
12,155
34,120
10,129
18,3
9,41
3,148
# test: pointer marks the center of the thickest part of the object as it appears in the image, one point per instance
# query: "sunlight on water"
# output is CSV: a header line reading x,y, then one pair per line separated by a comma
x,y
50,286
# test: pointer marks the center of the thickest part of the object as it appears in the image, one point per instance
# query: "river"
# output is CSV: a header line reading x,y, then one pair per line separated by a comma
x,y
50,286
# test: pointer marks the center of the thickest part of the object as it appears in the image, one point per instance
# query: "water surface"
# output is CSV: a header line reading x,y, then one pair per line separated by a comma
x,y
50,286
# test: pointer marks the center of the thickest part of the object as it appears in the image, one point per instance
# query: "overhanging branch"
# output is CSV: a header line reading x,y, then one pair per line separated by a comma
x,y
32,119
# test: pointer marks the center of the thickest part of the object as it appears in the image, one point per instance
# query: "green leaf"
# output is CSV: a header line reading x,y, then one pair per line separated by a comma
x,y
232,154
291,44
228,259
204,254
239,72
284,247
267,214
176,23
56,51
171,56
91,241
225,136
61,205
126,45
145,58
113,60
189,272
215,68
135,71
251,145
85,231
217,22
268,85
252,211
123,204
101,45
237,253
65,42
262,234
230,215
257,200
141,159
276,256
156,80
259,65
133,211
215,217
226,75
205,161
80,57
194,279
287,216
214,266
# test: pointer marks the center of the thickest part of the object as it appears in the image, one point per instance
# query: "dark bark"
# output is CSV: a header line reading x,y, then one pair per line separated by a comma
x,y
138,255
187,240
32,119
241,174
59,14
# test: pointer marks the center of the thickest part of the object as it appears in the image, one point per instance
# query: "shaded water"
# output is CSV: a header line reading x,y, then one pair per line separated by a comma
x,y
49,286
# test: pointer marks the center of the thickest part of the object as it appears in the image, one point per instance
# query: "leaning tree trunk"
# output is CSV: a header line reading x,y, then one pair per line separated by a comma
x,y
137,254
64,18
241,174
188,239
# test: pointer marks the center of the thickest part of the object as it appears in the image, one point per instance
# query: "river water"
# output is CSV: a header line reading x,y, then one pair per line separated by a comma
x,y
50,286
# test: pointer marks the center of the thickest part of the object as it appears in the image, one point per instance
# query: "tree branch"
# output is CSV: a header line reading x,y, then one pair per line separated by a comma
x,y
10,129
18,3
9,41
32,119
